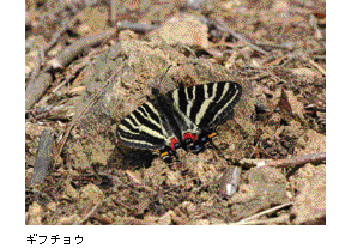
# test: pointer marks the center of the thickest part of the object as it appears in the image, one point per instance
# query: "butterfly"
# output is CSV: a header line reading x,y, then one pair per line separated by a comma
x,y
185,118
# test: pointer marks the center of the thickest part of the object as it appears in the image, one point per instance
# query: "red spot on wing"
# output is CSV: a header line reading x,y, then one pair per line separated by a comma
x,y
173,142
194,137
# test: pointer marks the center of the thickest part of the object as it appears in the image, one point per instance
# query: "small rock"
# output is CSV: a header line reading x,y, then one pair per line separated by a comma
x,y
84,29
51,206
191,208
35,214
27,70
275,118
70,191
301,142
310,205
127,35
188,206
165,219
202,222
134,176
187,30
215,221
232,147
316,142
172,177
280,7
92,192
246,192
262,188
74,219
311,106
306,73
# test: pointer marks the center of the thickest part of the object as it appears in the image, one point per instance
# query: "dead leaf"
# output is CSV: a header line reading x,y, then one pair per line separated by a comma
x,y
290,107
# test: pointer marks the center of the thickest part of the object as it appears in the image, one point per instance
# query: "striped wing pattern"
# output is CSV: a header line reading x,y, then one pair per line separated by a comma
x,y
206,105
183,118
144,128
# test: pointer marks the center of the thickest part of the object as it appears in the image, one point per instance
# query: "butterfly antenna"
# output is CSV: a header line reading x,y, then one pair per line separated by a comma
x,y
163,77
155,90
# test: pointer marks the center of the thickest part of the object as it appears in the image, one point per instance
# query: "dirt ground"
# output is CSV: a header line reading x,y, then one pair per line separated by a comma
x,y
87,67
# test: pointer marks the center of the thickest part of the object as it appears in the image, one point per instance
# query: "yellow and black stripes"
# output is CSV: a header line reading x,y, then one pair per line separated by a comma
x,y
184,118
205,105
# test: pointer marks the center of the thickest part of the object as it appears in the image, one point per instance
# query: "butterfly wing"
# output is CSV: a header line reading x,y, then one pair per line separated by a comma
x,y
202,107
143,128
182,118
207,105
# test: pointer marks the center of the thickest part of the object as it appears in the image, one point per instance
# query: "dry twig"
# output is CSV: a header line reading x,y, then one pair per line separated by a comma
x,y
251,219
284,219
137,26
112,12
286,45
43,159
281,163
87,216
38,87
38,63
65,24
83,111
298,160
314,64
223,27
68,54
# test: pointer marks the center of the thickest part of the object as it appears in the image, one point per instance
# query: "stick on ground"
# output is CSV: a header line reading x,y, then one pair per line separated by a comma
x,y
43,158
